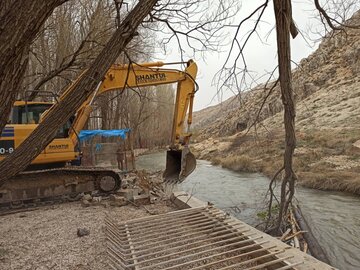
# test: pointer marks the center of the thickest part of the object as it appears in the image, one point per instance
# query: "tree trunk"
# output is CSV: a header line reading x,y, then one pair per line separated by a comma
x,y
20,21
282,9
80,91
315,249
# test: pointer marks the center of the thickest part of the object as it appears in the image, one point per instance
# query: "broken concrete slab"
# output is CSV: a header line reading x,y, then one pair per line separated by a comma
x,y
87,197
142,199
126,193
85,203
116,200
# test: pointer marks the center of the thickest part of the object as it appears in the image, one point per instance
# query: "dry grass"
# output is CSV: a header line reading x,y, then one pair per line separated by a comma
x,y
333,180
324,159
241,163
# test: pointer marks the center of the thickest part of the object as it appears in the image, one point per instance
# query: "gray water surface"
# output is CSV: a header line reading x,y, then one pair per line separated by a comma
x,y
334,216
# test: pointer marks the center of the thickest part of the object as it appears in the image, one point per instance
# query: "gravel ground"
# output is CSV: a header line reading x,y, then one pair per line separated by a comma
x,y
47,238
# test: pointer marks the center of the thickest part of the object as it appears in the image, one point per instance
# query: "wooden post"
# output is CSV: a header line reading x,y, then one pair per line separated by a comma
x,y
92,152
130,140
125,151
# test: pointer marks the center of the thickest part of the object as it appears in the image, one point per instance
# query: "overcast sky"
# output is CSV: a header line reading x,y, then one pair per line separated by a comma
x,y
260,57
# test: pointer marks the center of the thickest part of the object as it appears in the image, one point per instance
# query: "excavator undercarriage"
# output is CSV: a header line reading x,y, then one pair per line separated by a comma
x,y
43,187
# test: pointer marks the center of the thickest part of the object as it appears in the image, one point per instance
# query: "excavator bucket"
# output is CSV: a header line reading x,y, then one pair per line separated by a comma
x,y
179,165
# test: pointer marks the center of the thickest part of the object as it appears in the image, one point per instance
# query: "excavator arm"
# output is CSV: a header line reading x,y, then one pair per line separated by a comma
x,y
35,186
179,162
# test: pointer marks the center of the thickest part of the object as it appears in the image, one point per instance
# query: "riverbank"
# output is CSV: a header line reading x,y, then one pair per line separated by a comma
x,y
334,216
325,159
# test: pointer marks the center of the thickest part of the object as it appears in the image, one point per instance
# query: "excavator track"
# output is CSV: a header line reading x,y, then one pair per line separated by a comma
x,y
45,187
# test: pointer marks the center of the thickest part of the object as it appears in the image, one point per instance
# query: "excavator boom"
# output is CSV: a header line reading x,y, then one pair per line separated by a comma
x,y
180,162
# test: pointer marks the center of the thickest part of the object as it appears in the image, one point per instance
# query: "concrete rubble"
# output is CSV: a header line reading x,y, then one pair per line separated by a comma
x,y
138,188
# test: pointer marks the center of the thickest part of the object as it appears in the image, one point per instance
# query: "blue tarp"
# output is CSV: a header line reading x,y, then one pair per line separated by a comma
x,y
88,134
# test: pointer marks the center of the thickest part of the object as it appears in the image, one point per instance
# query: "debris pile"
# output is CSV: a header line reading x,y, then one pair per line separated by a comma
x,y
138,188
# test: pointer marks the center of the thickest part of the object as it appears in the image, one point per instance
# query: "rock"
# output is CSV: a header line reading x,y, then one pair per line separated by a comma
x,y
116,200
105,204
124,184
82,232
85,203
357,144
96,200
87,197
131,179
128,194
241,126
95,193
154,199
142,199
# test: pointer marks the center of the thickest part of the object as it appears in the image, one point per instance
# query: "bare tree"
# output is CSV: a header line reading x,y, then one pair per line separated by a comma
x,y
195,26
20,22
283,16
81,90
235,74
70,38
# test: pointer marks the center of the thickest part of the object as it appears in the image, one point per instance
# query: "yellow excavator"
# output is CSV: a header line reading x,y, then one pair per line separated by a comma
x,y
49,177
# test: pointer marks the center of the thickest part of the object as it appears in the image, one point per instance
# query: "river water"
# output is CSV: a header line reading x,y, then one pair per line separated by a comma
x,y
334,216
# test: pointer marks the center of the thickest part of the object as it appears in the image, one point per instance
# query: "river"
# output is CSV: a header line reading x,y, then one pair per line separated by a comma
x,y
334,216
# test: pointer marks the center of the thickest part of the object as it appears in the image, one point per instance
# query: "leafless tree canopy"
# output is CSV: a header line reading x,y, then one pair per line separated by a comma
x,y
236,76
70,38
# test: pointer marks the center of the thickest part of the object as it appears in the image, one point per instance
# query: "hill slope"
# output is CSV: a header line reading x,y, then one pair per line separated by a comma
x,y
327,92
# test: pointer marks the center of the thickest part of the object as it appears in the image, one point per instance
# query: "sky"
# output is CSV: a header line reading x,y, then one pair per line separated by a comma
x,y
260,52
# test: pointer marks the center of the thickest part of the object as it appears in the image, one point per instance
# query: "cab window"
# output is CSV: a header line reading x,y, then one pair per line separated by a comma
x,y
31,115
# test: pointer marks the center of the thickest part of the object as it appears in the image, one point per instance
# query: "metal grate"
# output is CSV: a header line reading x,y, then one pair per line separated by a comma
x,y
196,238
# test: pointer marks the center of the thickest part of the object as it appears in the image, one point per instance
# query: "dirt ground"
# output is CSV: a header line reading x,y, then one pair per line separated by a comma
x,y
47,238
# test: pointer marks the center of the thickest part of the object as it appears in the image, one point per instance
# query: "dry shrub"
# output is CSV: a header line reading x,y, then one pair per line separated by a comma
x,y
271,165
263,154
241,163
241,139
216,161
322,166
331,139
332,180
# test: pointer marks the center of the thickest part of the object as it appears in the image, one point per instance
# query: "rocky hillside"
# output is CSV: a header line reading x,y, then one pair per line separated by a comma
x,y
327,92
326,86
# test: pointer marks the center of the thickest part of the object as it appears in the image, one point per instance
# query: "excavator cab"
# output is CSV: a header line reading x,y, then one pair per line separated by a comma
x,y
179,165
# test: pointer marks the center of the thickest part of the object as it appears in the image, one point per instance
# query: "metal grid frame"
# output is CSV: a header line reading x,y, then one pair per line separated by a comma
x,y
195,238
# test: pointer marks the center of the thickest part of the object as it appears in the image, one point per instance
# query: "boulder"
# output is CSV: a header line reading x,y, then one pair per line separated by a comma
x,y
82,232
